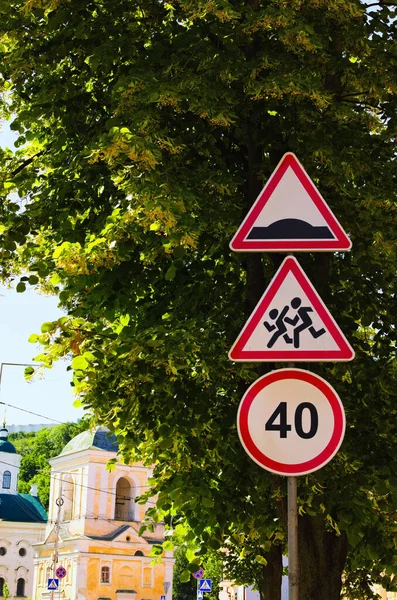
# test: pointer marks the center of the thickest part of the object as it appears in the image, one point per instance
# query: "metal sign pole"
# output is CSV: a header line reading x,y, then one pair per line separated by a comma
x,y
293,563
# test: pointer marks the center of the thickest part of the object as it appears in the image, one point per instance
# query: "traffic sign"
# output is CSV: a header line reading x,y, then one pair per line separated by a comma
x,y
291,422
205,585
60,572
53,584
291,323
200,595
163,597
199,574
290,215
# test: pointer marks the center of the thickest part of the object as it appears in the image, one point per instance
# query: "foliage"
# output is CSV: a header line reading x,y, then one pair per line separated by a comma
x,y
212,563
145,133
36,449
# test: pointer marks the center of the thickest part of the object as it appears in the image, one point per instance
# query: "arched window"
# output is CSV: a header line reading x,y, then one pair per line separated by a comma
x,y
20,587
124,509
105,574
139,553
2,583
6,480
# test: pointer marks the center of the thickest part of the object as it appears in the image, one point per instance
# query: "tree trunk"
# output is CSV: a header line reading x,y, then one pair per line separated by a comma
x,y
272,574
322,556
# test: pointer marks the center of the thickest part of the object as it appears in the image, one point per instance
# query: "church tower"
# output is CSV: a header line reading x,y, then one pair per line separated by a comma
x,y
94,525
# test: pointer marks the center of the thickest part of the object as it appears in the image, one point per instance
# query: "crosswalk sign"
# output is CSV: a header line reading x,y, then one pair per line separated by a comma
x,y
205,585
200,595
53,584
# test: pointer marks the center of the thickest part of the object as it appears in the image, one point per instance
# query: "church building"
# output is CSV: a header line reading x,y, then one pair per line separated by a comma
x,y
22,524
93,529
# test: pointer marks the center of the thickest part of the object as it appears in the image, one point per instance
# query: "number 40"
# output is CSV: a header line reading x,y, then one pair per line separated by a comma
x,y
283,427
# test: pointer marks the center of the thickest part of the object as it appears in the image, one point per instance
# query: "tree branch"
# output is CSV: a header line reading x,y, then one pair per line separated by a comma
x,y
26,163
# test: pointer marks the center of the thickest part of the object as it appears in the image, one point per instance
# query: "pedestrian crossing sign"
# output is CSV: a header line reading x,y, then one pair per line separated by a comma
x,y
291,323
53,584
205,585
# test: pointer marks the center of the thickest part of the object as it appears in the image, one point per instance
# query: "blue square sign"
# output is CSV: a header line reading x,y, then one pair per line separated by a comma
x,y
53,584
205,585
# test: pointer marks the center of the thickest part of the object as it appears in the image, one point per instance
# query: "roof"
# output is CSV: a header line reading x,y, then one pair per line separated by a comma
x,y
22,508
99,439
110,536
5,445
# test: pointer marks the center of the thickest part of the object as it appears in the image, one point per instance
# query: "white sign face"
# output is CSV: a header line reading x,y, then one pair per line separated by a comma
x,y
291,323
291,422
290,214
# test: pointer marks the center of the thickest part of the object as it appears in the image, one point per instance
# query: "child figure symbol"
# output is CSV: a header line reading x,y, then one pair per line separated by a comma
x,y
300,321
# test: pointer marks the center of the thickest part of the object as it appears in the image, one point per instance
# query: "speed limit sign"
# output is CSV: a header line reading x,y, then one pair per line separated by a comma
x,y
291,422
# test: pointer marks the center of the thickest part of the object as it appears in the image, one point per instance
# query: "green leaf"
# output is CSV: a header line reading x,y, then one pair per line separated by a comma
x,y
21,287
33,338
207,502
168,545
261,559
79,363
47,327
29,371
171,272
33,279
185,576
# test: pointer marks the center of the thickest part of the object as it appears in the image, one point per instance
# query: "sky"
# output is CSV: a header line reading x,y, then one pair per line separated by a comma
x,y
20,315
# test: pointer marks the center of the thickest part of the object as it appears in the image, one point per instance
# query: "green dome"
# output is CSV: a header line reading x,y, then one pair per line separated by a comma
x,y
98,439
5,445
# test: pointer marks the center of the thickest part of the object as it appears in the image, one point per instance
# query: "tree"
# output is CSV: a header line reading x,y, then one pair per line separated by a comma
x,y
145,133
185,587
36,449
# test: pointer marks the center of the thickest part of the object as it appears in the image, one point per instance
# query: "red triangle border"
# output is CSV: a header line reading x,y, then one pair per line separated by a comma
x,y
239,242
237,352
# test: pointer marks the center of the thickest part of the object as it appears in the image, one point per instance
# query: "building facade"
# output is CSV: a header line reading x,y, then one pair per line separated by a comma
x,y
22,524
93,528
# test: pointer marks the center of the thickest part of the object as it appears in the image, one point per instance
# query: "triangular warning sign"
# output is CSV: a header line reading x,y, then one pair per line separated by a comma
x,y
204,585
290,215
291,323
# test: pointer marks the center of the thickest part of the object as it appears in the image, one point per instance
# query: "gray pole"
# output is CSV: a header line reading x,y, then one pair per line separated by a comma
x,y
293,564
59,502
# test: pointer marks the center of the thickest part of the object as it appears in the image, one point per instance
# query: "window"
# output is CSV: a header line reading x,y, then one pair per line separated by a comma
x,y
20,587
139,553
22,551
6,480
2,583
3,550
105,574
124,509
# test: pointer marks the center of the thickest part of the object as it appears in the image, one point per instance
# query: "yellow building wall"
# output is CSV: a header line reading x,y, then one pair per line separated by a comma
x,y
135,573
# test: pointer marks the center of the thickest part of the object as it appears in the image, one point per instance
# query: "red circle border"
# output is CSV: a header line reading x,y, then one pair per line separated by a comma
x,y
290,469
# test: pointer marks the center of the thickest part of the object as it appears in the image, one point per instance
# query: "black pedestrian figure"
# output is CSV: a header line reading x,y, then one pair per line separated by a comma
x,y
281,329
306,321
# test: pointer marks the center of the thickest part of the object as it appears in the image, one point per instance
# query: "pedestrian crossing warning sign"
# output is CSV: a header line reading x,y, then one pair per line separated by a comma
x,y
290,215
205,585
291,323
53,584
